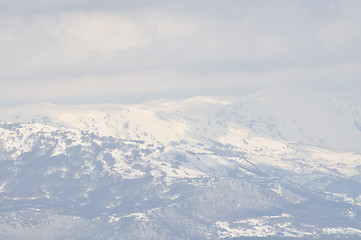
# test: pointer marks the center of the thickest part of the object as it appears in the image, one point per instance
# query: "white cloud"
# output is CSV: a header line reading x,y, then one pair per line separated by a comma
x,y
148,82
50,41
99,32
338,33
72,52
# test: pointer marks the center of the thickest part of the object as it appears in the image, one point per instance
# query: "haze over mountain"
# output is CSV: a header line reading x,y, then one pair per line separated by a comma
x,y
283,162
300,116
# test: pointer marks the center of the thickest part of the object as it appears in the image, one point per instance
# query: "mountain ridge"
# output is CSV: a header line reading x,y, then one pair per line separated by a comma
x,y
177,170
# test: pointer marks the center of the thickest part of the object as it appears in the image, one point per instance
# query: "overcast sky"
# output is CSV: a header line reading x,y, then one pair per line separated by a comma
x,y
87,51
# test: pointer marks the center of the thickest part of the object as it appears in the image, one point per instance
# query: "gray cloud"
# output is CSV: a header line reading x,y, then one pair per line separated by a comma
x,y
67,49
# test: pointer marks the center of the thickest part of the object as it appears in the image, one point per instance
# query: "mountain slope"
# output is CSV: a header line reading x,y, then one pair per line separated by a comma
x,y
299,116
202,168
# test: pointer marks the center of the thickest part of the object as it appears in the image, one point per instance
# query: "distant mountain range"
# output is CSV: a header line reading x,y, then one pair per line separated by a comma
x,y
280,163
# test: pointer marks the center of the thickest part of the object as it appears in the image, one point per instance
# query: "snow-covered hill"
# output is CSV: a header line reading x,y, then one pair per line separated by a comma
x,y
283,162
299,116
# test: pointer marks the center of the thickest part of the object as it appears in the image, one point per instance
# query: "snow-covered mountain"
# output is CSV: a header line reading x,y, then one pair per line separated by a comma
x,y
299,116
280,163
